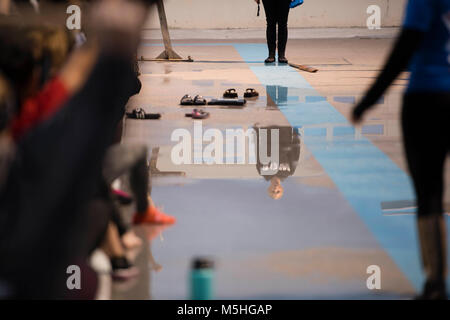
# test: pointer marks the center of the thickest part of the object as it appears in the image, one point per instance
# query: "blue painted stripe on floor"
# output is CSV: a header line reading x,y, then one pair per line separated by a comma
x,y
315,98
373,129
342,99
364,175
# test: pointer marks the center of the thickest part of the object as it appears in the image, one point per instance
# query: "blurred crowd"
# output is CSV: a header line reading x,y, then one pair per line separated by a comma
x,y
62,100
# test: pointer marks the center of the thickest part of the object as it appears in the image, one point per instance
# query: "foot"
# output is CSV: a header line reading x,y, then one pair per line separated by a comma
x,y
122,269
130,240
433,291
270,59
153,216
282,59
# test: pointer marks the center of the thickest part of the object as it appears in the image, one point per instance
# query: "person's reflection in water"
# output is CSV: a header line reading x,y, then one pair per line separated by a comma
x,y
140,287
289,154
152,232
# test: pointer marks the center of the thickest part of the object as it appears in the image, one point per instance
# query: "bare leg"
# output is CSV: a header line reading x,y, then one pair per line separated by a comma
x,y
111,244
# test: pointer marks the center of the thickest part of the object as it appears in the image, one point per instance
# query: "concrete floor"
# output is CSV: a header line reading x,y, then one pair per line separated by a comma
x,y
348,205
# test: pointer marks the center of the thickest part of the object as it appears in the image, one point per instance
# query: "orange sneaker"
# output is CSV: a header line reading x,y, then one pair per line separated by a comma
x,y
153,216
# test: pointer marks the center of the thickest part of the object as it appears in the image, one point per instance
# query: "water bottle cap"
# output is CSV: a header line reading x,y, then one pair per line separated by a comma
x,y
202,263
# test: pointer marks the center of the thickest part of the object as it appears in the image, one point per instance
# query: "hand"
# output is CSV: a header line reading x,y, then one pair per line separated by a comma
x,y
258,1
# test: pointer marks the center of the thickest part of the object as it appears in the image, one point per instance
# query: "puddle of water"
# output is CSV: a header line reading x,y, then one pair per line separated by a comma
x,y
236,222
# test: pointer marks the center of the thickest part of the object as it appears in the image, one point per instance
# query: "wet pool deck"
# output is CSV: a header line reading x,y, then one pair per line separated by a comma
x,y
346,207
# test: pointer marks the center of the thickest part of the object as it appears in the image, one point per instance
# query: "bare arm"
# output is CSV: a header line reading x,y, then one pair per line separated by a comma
x,y
5,6
75,72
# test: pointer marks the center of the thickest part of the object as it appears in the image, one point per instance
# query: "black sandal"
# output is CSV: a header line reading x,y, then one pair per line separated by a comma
x,y
139,113
199,100
250,93
187,100
270,59
230,94
283,60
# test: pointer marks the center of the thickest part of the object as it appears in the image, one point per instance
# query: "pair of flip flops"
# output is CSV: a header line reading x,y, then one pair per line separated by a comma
x,y
197,114
139,113
198,100
232,93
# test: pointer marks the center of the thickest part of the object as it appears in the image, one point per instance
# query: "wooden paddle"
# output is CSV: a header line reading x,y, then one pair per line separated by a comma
x,y
189,59
304,68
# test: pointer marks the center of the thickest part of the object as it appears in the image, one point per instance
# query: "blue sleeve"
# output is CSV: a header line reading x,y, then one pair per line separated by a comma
x,y
419,15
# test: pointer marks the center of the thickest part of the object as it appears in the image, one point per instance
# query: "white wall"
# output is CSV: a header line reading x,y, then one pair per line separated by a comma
x,y
224,14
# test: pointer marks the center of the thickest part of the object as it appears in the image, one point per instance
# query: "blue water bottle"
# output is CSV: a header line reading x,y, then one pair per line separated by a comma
x,y
202,275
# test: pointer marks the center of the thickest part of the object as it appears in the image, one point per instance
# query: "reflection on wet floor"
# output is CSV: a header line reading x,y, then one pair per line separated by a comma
x,y
268,248
303,232
283,156
139,288
263,248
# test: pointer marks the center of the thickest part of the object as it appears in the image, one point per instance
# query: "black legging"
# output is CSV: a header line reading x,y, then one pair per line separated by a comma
x,y
427,144
277,12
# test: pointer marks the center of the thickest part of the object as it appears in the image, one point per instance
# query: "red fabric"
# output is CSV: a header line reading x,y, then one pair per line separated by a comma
x,y
40,107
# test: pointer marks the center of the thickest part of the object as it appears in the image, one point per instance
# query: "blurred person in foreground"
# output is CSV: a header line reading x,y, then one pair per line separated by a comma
x,y
56,166
53,80
424,42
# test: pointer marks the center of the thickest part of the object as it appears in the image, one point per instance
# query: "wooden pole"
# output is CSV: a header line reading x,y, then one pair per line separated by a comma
x,y
168,53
